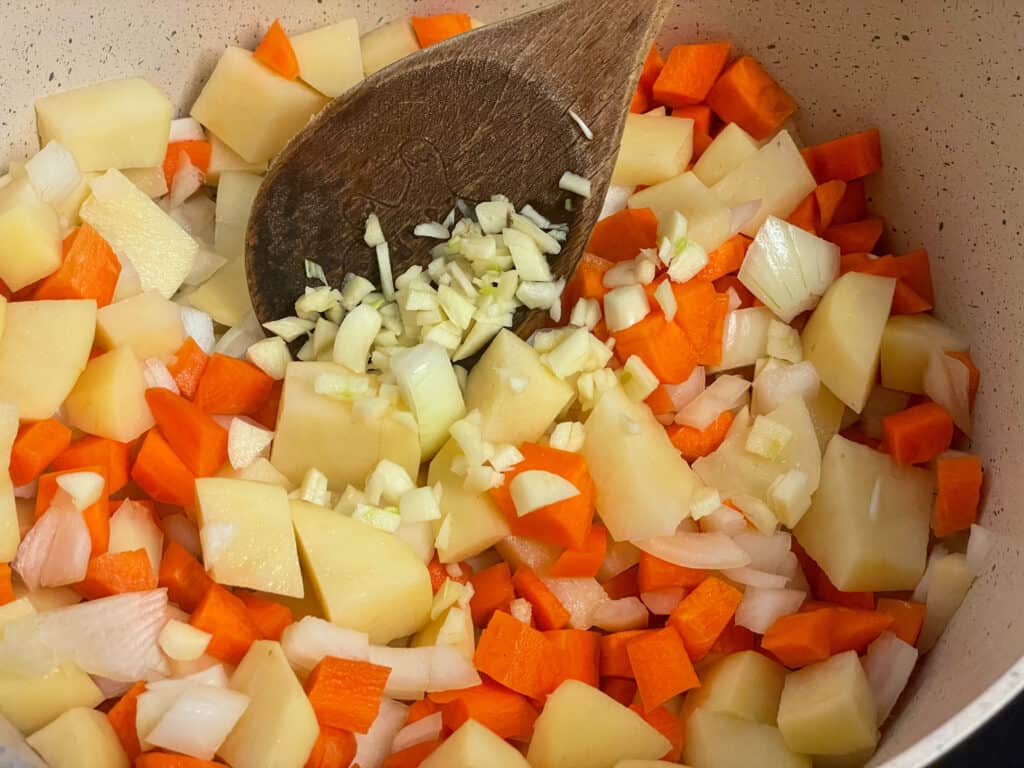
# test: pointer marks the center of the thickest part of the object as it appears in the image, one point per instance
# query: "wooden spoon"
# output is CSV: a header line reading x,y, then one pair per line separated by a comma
x,y
481,114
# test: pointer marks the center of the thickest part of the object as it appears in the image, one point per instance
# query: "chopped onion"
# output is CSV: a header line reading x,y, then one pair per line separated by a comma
x,y
157,376
921,590
619,557
183,642
186,182
724,394
54,172
450,670
180,529
740,215
199,720
425,729
306,642
521,610
707,551
888,665
429,387
111,689
374,746
620,615
778,383
373,235
132,527
584,128
567,436
754,578
67,559
625,306
724,520
979,546
431,229
355,338
947,381
186,129
536,489
239,338
579,596
247,441
686,392
767,553
615,200
744,337
410,669
661,602
572,182
271,356
637,379
760,608
419,505
199,326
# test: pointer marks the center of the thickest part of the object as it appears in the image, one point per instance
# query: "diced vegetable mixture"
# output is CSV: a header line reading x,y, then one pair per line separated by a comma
x,y
712,514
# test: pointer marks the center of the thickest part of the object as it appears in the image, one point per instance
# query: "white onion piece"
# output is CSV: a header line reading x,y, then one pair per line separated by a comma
x,y
53,172
156,376
237,339
724,394
615,200
425,729
777,384
536,489
410,669
979,546
206,263
767,553
186,182
199,720
790,568
68,557
30,558
760,608
579,596
186,129
111,689
707,551
13,748
247,441
888,665
199,326
740,215
306,642
686,392
620,615
521,610
921,590
946,380
744,337
662,602
620,556
180,529
374,746
132,527
724,520
450,670
754,578
183,642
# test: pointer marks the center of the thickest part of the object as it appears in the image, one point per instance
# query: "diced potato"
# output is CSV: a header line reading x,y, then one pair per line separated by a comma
x,y
474,745
279,727
643,485
329,57
387,44
827,414
251,108
472,520
654,149
949,579
48,598
367,579
517,395
776,175
117,124
151,181
731,147
148,324
538,556
80,738
247,536
718,740
843,336
312,431
859,548
140,231
44,347
69,207
259,471
828,709
646,764
223,158
31,702
235,196
10,528
708,218
109,398
30,236
746,684
14,610
225,296
907,343
852,760
581,727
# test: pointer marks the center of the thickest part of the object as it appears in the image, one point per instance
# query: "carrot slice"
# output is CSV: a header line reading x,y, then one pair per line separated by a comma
x,y
579,654
161,474
6,584
585,561
854,205
733,639
747,95
492,591
845,159
197,151
270,617
548,612
232,386
94,451
663,346
621,689
857,236
346,693
114,573
121,717
411,757
655,574
806,215
661,666
275,51
956,504
704,614
334,748
439,574
907,616
725,259
187,367
823,589
689,73
694,443
799,639
168,760
35,447
423,708
507,713
90,270
622,235
96,516
626,584
855,630
973,374
199,441
828,196
724,284
587,281
517,656
434,29
614,656
668,725
224,616
918,434
184,577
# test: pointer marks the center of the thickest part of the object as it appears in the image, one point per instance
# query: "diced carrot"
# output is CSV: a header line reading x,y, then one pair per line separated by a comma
x,y
270,617
517,656
851,157
854,205
423,708
908,617
94,451
915,270
733,639
275,51
699,313
90,270
723,284
184,577
823,589
621,689
959,494
187,367
747,95
717,314
439,573
701,141
660,402
689,73
699,113
640,103
655,574
914,292
805,215
267,414
579,654
668,725
161,474
828,196
565,523
121,717
855,630
434,29
704,614
232,386
799,639
197,151
973,374
35,447
334,748
346,693
169,760
614,656
411,757
548,612
6,584
587,281
96,516
507,713
663,346
492,591
654,63
661,666
585,561
224,616
622,235
918,434
199,441
625,584
857,236
694,443
114,573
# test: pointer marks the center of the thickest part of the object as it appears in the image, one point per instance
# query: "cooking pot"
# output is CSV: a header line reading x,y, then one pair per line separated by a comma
x,y
941,80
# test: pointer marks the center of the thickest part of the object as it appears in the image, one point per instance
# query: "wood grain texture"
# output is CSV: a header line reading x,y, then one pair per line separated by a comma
x,y
484,113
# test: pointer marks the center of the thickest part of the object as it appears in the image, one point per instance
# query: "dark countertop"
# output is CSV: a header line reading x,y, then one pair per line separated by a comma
x,y
996,745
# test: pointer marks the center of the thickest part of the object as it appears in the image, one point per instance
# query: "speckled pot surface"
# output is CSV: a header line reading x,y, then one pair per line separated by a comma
x,y
941,79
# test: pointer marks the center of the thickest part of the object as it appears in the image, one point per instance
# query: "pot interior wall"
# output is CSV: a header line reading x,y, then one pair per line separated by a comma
x,y
940,81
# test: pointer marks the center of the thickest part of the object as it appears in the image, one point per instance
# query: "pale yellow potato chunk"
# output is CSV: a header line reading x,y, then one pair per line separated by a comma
x,y
223,158
828,709
251,108
387,44
708,219
235,195
278,728
582,727
907,343
247,535
367,579
259,471
475,746
51,341
148,324
646,764
31,702
718,740
10,529
827,414
330,59
472,521
79,738
949,579
844,335
151,181
643,484
313,431
225,296
30,235
109,398
731,147
859,548
654,149
746,684
117,124
514,414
